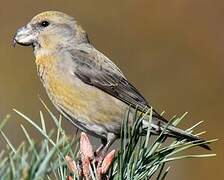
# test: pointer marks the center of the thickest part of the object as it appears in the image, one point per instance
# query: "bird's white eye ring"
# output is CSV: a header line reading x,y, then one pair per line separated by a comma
x,y
44,23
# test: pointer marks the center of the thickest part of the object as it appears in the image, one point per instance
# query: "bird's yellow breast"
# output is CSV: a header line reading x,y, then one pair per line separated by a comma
x,y
58,88
79,99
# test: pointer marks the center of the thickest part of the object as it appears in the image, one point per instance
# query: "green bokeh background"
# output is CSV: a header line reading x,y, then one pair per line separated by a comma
x,y
171,50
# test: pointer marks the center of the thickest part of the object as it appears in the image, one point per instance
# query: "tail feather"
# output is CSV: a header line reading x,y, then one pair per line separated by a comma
x,y
158,126
181,135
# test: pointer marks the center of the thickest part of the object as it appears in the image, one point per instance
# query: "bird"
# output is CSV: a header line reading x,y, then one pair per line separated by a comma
x,y
84,85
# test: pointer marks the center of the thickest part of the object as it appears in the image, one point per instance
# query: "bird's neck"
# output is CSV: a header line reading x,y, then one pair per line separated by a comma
x,y
46,62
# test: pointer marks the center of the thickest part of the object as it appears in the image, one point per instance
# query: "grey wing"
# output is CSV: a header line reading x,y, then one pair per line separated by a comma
x,y
95,69
103,74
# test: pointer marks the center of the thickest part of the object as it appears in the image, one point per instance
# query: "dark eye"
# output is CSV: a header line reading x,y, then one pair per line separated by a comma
x,y
44,23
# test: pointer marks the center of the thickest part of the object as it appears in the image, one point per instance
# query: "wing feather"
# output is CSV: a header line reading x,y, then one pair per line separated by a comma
x,y
107,77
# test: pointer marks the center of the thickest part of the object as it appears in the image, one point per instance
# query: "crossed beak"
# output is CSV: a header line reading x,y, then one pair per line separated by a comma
x,y
24,36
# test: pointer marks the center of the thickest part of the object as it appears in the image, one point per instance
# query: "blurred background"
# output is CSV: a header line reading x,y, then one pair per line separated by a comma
x,y
172,51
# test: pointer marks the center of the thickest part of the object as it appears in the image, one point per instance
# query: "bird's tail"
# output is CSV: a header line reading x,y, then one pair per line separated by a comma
x,y
158,125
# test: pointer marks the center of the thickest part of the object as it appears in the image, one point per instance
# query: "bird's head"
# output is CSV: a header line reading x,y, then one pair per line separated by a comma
x,y
49,30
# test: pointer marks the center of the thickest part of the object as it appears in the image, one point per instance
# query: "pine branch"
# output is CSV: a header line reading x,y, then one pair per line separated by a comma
x,y
138,157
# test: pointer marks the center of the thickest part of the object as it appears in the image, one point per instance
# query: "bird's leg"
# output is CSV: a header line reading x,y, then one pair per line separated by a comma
x,y
99,149
104,147
110,140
